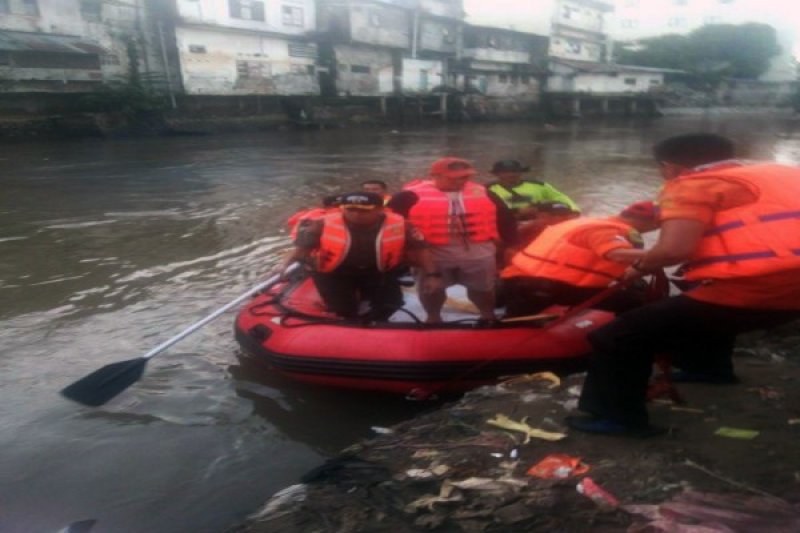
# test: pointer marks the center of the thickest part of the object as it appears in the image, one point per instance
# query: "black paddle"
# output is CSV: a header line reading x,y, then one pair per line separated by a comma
x,y
100,386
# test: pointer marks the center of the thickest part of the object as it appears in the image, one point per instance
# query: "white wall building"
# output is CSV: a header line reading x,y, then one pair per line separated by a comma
x,y
609,78
247,46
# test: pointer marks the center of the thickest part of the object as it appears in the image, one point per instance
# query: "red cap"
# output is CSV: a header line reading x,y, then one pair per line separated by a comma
x,y
646,210
452,167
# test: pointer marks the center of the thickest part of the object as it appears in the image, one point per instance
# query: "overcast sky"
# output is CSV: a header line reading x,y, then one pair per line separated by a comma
x,y
534,15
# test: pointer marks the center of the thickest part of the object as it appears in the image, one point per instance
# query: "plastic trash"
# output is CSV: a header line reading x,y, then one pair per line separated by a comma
x,y
596,493
558,466
504,422
737,433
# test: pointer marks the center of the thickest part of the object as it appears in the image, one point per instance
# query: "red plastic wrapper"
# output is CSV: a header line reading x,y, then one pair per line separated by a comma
x,y
558,466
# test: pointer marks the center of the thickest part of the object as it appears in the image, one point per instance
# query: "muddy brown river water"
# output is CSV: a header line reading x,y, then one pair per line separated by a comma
x,y
109,247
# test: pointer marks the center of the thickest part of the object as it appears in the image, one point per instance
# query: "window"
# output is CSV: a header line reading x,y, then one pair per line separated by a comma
x,y
292,16
92,10
514,79
502,78
4,6
360,69
296,68
5,58
197,49
525,79
573,47
374,19
253,69
629,23
246,9
447,36
308,50
109,59
655,82
29,7
630,81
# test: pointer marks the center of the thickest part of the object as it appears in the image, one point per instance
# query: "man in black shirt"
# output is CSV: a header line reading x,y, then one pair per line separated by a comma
x,y
355,253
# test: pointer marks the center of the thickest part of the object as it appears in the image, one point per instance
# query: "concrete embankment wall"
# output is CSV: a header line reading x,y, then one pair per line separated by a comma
x,y
54,115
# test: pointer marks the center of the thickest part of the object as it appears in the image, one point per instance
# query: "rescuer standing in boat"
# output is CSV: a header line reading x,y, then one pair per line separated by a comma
x,y
572,261
735,226
462,223
354,252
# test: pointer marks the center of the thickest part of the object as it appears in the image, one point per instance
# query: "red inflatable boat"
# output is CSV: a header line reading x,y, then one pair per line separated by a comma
x,y
288,330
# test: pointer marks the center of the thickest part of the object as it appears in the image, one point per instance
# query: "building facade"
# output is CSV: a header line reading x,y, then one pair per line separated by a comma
x,y
75,45
246,46
499,62
580,30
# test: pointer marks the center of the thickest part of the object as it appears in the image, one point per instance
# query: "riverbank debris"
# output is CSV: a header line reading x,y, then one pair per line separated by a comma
x,y
558,466
503,422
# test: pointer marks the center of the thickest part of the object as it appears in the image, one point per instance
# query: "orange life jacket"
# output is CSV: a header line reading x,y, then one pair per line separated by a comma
x,y
751,240
552,255
312,213
431,213
335,242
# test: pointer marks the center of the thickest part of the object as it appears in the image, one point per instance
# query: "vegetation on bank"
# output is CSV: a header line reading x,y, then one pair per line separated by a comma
x,y
708,55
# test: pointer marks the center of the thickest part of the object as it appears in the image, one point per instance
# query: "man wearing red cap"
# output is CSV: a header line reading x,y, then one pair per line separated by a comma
x,y
462,224
736,228
571,261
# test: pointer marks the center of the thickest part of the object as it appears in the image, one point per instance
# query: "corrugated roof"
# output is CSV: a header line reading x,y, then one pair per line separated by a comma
x,y
590,66
20,41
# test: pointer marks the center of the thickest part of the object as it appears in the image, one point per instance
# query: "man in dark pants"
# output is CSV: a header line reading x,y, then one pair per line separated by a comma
x,y
736,228
355,253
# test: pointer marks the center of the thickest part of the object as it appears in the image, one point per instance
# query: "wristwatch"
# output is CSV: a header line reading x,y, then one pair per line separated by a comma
x,y
433,274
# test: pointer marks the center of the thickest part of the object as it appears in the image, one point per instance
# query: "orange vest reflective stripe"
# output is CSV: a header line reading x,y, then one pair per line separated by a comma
x,y
431,213
759,238
553,256
306,214
335,242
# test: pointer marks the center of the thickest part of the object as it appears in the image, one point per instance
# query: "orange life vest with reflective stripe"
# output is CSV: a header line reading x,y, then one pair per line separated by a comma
x,y
312,213
431,213
759,238
335,242
553,256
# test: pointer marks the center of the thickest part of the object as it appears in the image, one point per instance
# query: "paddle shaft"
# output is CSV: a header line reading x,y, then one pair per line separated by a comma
x,y
199,324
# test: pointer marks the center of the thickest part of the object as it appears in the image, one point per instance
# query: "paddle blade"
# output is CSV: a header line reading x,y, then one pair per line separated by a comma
x,y
104,383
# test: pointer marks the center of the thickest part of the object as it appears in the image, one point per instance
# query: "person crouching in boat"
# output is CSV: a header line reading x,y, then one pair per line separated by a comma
x,y
547,214
463,223
572,261
353,253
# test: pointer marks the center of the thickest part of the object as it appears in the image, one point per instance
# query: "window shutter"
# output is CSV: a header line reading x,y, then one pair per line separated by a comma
x,y
258,10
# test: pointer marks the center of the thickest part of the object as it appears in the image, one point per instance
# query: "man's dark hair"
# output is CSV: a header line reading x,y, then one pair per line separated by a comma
x,y
375,182
693,149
